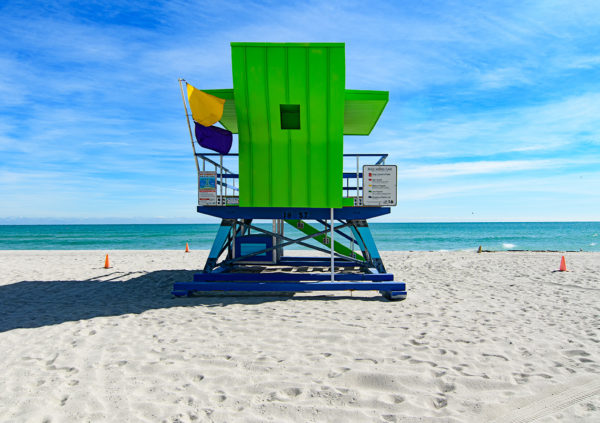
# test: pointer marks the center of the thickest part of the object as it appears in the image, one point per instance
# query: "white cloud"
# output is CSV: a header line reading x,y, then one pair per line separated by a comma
x,y
541,128
476,168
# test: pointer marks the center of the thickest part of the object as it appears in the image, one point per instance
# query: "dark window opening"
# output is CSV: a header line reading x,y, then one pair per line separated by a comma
x,y
290,116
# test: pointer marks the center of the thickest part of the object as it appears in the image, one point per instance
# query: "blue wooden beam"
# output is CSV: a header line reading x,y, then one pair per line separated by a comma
x,y
291,276
184,288
345,213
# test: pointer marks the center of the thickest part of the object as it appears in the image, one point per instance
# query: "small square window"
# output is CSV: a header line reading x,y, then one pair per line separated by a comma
x,y
290,116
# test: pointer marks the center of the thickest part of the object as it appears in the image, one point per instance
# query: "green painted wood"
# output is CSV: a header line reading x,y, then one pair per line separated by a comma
x,y
362,110
229,118
296,94
337,246
251,44
290,167
281,178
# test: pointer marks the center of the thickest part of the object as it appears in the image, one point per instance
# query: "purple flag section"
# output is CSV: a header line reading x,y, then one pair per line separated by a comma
x,y
214,138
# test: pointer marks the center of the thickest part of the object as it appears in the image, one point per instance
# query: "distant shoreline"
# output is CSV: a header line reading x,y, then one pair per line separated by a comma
x,y
493,236
216,223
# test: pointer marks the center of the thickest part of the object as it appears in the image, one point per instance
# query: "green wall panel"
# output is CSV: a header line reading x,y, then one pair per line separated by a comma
x,y
290,167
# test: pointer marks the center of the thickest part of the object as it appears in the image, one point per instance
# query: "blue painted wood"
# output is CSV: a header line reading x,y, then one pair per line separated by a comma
x,y
345,213
369,242
292,277
262,242
394,295
180,287
309,262
219,241
357,239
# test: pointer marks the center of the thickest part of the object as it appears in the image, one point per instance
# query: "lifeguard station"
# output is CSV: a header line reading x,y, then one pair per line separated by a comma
x,y
291,109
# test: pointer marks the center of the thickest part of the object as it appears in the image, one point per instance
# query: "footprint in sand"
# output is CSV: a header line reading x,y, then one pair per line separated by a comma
x,y
445,386
572,353
521,378
439,402
495,355
337,372
50,363
220,396
372,360
289,393
393,399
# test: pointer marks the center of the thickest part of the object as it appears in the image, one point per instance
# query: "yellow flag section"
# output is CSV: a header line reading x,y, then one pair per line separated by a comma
x,y
206,109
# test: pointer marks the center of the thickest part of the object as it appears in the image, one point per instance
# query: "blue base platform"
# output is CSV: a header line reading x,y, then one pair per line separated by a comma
x,y
292,282
391,290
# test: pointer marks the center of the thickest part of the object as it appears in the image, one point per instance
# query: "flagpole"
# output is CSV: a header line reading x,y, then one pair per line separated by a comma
x,y
187,118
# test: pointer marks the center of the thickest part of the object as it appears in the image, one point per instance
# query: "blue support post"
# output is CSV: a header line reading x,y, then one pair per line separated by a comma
x,y
219,243
359,241
367,241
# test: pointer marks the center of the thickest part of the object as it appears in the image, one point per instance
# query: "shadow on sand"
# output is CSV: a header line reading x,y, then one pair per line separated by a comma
x,y
33,304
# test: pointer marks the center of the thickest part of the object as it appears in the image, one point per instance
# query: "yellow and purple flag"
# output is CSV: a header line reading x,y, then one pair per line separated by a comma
x,y
206,109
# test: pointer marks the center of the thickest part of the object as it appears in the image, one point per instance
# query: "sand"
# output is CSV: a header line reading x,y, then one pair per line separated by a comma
x,y
482,337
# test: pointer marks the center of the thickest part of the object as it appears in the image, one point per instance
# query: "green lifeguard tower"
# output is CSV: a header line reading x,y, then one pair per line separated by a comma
x,y
290,109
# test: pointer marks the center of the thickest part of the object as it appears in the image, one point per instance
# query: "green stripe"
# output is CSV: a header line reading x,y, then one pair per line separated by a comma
x,y
310,230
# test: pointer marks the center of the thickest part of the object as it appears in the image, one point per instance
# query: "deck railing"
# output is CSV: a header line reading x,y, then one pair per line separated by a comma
x,y
227,179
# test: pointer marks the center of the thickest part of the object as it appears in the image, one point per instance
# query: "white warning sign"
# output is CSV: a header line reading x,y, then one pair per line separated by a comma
x,y
379,185
207,188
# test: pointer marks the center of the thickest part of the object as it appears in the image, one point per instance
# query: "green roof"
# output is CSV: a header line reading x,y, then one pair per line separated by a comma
x,y
234,44
229,118
361,109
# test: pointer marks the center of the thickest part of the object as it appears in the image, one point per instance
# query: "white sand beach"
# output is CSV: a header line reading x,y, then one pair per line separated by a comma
x,y
491,337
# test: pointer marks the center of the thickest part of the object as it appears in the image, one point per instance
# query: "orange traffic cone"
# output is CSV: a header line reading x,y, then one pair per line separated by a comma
x,y
563,265
187,248
106,263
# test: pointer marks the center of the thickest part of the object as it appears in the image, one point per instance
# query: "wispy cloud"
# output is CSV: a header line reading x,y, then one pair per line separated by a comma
x,y
546,129
475,168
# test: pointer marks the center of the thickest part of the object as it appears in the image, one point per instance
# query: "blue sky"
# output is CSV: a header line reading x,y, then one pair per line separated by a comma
x,y
494,111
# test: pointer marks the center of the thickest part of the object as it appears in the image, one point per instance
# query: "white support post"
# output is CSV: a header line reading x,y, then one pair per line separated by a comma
x,y
275,239
331,245
221,177
281,232
357,179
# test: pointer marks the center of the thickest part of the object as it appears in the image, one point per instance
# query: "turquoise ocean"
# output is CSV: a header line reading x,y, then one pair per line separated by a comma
x,y
556,236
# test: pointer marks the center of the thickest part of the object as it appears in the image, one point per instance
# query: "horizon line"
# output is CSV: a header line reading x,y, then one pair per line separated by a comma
x,y
75,223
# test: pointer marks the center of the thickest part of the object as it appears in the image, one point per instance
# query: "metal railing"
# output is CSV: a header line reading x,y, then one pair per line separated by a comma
x,y
352,180
227,179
